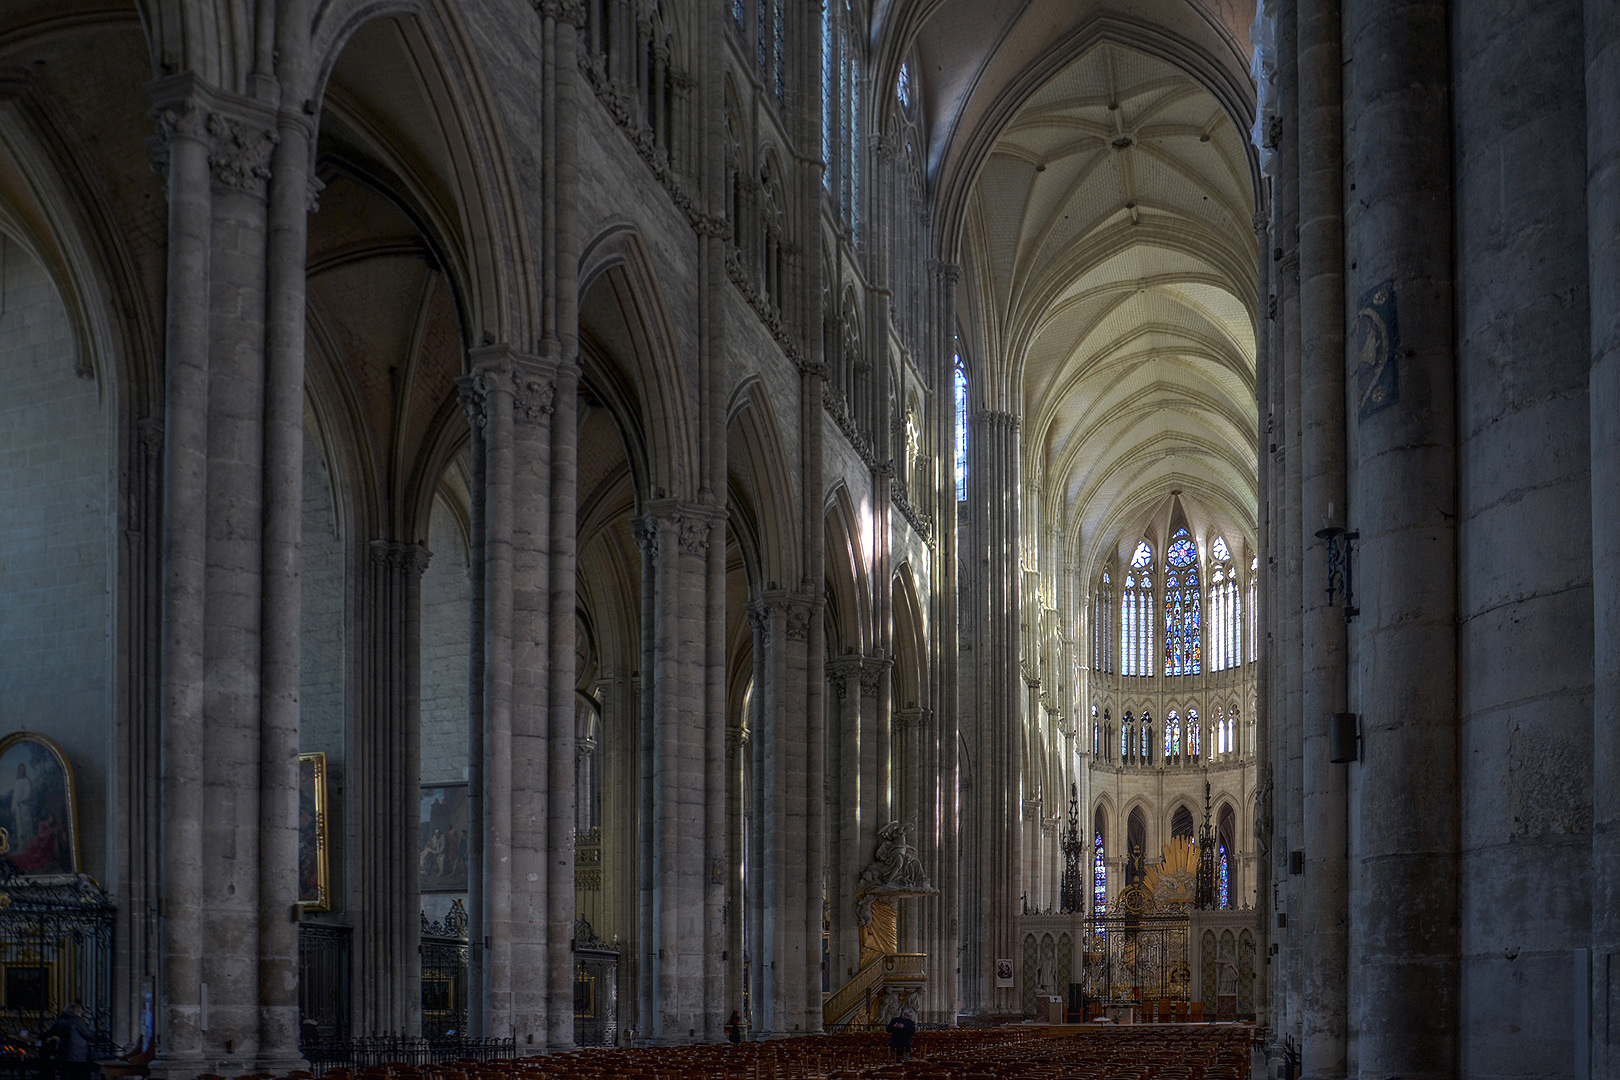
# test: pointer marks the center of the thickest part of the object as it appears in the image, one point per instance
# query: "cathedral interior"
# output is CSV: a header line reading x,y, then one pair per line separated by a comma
x,y
552,521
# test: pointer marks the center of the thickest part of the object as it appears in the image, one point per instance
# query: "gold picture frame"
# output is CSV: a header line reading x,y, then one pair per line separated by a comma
x,y
314,881
39,812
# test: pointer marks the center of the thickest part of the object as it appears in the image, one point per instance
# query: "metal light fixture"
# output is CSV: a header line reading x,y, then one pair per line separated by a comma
x,y
1341,573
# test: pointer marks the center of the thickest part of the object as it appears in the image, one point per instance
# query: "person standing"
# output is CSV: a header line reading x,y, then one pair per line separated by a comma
x,y
734,1028
73,1044
901,1031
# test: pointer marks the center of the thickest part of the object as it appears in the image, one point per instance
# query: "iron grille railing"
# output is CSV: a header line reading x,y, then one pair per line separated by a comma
x,y
323,982
56,946
415,1051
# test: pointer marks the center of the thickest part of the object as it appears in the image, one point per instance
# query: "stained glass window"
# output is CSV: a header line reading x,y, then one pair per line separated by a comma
x,y
1102,638
960,385
1224,614
1144,745
1182,631
1172,736
1126,729
1099,875
1136,615
739,16
1096,733
829,93
902,86
764,16
1194,734
779,69
1224,879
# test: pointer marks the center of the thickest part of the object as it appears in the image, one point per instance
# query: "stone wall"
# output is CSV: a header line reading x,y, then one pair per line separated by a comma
x,y
56,523
446,611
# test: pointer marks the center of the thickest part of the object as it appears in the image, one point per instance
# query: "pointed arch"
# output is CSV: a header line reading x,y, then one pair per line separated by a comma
x,y
849,593
628,353
762,482
401,99
911,678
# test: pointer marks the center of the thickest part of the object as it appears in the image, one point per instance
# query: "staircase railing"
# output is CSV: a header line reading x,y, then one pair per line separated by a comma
x,y
890,967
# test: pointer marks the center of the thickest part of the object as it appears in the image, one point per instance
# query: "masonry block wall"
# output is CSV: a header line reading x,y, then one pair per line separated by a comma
x,y
55,540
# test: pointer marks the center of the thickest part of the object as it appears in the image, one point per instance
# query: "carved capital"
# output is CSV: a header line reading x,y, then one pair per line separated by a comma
x,y
394,555
239,135
533,398
693,535
571,12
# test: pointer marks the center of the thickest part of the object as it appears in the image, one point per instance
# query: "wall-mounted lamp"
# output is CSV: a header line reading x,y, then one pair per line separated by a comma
x,y
1344,740
1341,573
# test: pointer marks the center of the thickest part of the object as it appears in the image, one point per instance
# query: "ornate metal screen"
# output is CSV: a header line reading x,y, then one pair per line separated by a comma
x,y
596,988
56,938
444,975
1134,953
323,983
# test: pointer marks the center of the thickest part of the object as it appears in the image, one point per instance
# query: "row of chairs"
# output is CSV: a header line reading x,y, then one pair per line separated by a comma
x,y
1087,1053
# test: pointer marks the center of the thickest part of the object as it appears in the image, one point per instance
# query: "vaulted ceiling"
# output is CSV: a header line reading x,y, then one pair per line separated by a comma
x,y
1110,292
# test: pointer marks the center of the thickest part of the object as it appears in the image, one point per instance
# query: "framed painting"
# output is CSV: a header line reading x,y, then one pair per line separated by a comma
x,y
39,821
313,882
442,861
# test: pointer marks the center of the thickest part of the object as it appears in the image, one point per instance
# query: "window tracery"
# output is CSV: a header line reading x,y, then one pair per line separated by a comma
x,y
1136,614
1182,630
959,385
1224,609
1194,734
1102,637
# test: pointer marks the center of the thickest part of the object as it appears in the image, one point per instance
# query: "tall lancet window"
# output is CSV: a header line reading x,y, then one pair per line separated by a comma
x,y
959,383
1144,745
1254,596
1195,734
1136,615
1127,733
1096,733
1182,630
1102,635
1172,736
1099,866
1224,609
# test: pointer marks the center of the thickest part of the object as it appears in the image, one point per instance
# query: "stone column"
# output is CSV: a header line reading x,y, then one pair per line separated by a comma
x,y
941,1002
737,746
1288,798
385,785
181,153
1525,591
677,535
998,732
291,193
1603,255
846,676
783,952
511,399
1404,439
1322,497
138,961
556,441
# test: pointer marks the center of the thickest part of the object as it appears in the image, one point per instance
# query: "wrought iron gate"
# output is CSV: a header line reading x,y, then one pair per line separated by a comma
x,y
445,952
596,988
323,983
1134,956
56,938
